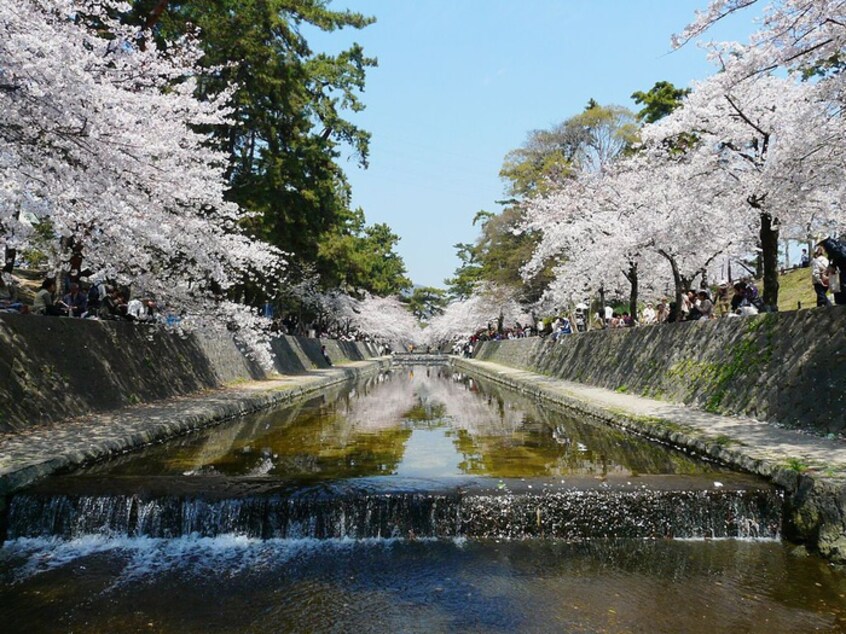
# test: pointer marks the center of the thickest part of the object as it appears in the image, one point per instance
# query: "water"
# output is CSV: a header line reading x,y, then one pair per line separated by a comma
x,y
421,500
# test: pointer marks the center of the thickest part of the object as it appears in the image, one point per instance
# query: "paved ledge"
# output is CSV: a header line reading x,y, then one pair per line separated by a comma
x,y
811,469
45,448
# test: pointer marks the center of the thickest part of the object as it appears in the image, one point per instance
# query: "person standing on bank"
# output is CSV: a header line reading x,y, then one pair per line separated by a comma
x,y
819,276
836,252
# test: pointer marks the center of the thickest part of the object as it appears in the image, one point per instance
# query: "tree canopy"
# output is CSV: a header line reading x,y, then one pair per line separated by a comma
x,y
288,127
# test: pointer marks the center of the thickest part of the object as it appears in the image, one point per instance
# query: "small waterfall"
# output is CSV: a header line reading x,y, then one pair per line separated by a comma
x,y
574,514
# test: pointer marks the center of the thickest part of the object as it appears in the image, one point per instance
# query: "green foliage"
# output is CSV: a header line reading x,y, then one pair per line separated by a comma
x,y
585,141
659,101
287,127
498,256
358,258
427,301
797,464
468,274
37,256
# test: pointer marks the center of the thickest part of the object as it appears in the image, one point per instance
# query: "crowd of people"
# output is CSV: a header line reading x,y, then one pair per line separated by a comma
x,y
740,299
92,300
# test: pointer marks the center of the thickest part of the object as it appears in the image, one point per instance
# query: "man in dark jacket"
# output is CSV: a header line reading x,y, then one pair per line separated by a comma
x,y
836,252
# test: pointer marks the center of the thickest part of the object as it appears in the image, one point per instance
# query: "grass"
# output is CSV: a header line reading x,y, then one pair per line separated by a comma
x,y
794,287
724,441
797,465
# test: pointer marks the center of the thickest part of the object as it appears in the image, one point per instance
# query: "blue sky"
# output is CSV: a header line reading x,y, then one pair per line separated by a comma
x,y
462,82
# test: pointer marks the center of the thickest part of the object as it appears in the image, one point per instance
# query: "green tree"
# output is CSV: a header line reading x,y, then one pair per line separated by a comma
x,y
359,258
287,127
586,141
468,273
427,301
659,101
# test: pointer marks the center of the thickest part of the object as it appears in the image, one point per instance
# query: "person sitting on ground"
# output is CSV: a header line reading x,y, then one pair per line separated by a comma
x,y
739,296
9,296
819,276
752,297
705,306
694,313
110,306
43,303
96,295
723,304
627,320
76,301
564,328
663,311
136,310
688,301
647,316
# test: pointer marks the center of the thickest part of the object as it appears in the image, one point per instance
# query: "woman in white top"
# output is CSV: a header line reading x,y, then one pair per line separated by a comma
x,y
819,276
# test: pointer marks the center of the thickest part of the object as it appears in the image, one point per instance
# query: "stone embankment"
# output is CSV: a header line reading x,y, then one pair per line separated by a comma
x,y
42,449
783,368
55,368
787,368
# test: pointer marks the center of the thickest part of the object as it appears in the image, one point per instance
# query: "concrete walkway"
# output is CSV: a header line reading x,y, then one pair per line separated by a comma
x,y
811,469
45,448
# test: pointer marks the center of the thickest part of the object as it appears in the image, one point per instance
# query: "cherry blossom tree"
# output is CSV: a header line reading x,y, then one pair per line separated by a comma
x,y
623,226
766,147
382,319
101,141
488,305
800,36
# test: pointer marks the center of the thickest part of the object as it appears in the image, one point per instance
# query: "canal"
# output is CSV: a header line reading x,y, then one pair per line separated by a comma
x,y
418,500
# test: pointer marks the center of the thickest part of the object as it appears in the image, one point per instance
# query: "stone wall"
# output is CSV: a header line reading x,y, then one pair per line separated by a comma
x,y
53,368
788,368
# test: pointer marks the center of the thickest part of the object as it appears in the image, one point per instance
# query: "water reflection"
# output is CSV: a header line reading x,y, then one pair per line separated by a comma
x,y
420,422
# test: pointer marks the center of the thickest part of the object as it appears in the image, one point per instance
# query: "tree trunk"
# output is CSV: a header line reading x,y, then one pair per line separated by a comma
x,y
155,14
678,280
602,305
631,276
769,257
9,260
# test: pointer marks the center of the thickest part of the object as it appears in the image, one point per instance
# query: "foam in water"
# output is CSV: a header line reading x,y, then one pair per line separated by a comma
x,y
146,557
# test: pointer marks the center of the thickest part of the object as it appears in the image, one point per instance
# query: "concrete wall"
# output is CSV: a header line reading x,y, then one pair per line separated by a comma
x,y
54,368
785,367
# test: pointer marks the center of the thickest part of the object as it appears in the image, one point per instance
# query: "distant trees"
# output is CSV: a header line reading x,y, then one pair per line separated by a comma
x,y
585,143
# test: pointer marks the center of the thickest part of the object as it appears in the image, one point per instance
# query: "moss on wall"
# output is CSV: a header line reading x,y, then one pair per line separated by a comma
x,y
785,367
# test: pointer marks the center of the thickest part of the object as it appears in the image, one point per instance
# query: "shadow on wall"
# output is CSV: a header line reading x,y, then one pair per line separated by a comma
x,y
784,367
53,368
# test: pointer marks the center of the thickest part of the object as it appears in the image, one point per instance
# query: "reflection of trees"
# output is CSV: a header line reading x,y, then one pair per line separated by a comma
x,y
363,431
542,440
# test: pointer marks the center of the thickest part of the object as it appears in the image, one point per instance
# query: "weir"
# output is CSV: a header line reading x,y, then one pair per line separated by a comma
x,y
659,507
421,452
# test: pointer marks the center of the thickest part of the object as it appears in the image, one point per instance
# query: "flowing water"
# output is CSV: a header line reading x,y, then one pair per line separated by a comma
x,y
418,501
